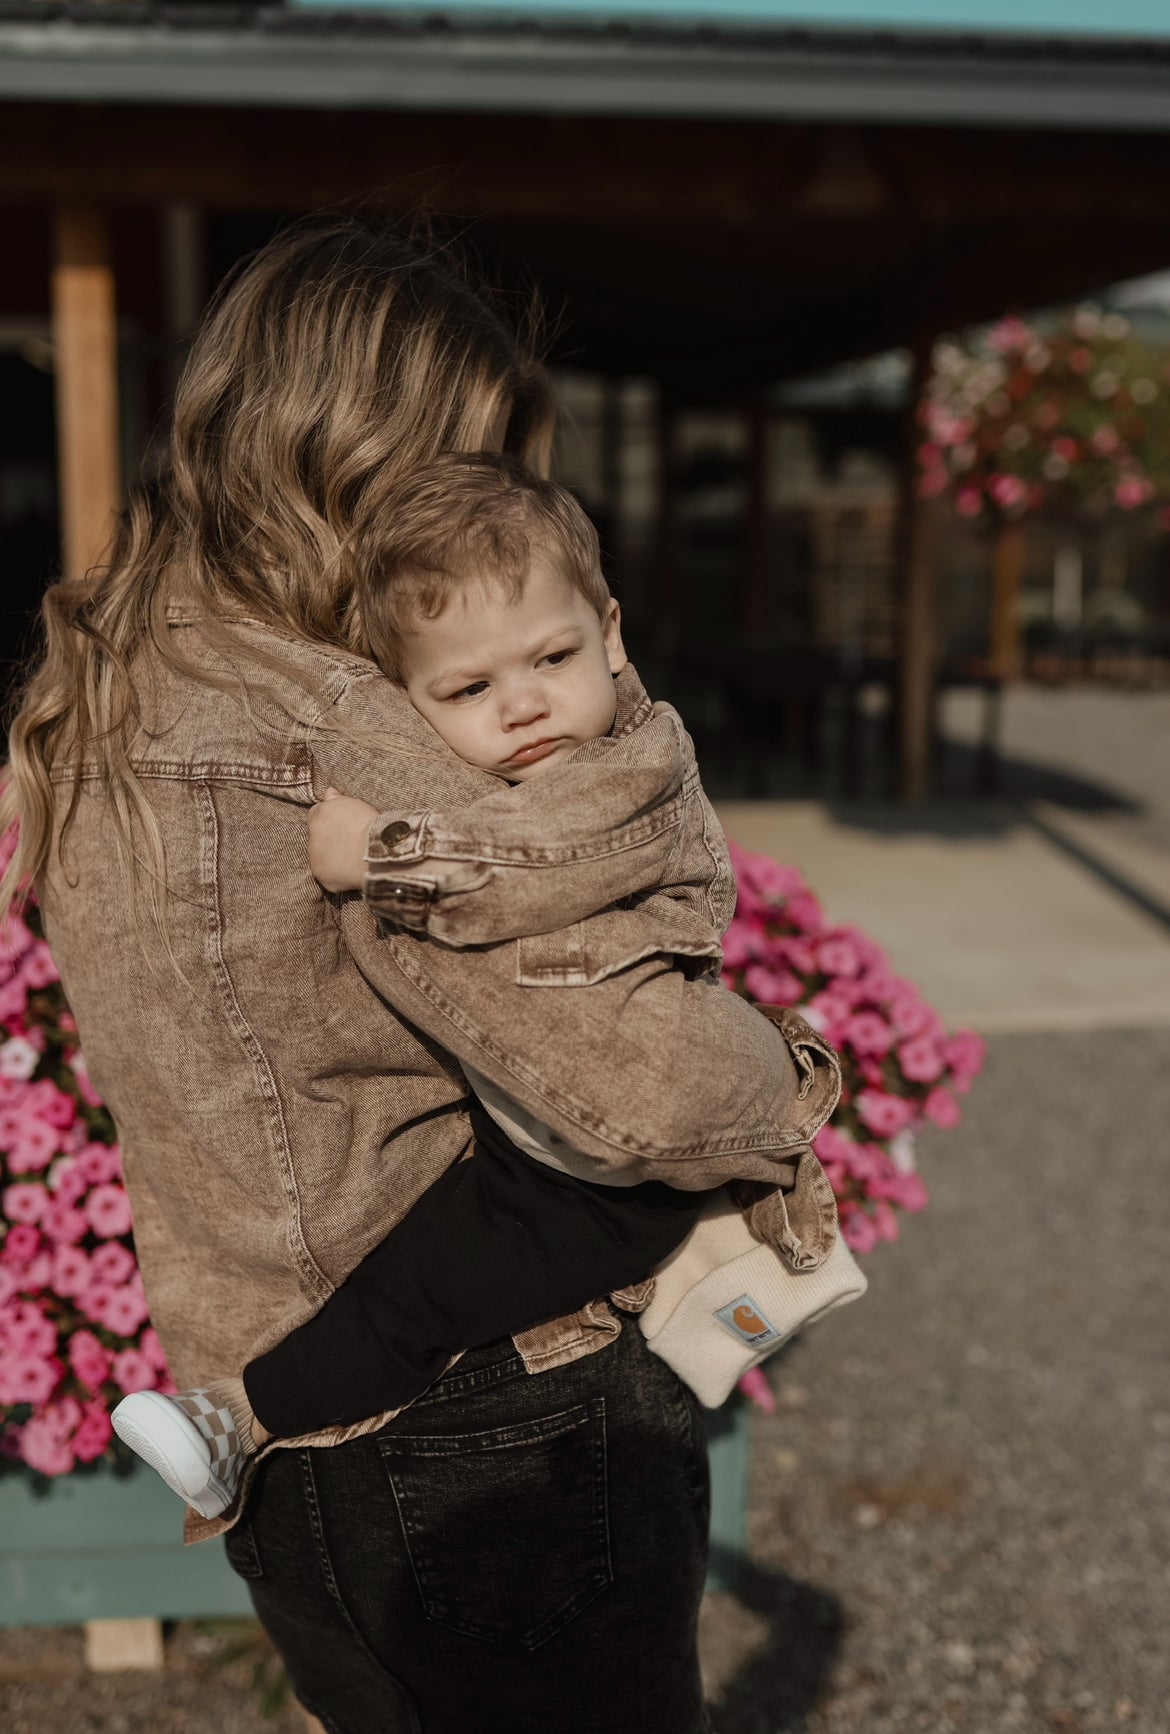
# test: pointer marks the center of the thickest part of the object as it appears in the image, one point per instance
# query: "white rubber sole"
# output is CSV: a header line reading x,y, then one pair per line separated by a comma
x,y
171,1443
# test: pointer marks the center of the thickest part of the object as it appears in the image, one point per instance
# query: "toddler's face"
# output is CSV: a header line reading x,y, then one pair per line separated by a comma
x,y
513,686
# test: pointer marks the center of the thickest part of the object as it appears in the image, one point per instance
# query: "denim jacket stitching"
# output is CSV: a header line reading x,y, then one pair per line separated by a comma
x,y
311,1274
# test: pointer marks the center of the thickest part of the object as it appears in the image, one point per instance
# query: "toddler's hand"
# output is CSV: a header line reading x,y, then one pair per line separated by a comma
x,y
338,827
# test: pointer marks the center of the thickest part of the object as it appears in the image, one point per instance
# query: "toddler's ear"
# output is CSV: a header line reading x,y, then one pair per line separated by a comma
x,y
611,628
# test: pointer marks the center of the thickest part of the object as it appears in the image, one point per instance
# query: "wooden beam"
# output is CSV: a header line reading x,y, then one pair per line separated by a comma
x,y
85,339
1007,577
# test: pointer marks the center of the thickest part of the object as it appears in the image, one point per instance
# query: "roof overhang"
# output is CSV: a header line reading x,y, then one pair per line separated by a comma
x,y
277,57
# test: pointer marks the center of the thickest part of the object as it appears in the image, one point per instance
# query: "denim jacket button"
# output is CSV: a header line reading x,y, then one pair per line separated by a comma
x,y
395,832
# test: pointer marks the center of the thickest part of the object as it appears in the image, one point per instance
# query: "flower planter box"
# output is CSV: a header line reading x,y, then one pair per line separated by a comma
x,y
103,1547
729,1443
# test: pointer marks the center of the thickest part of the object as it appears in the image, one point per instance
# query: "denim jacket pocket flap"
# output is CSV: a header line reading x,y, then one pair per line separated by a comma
x,y
603,945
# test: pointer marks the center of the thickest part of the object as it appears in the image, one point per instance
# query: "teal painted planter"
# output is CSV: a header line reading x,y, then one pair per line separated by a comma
x,y
102,1547
729,1444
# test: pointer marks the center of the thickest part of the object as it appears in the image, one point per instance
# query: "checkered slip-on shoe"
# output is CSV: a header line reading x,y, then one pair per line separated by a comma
x,y
190,1439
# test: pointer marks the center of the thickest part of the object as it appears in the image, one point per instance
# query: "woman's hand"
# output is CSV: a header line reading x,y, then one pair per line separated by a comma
x,y
338,828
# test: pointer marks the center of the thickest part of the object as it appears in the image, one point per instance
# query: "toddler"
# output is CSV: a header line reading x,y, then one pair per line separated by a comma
x,y
482,595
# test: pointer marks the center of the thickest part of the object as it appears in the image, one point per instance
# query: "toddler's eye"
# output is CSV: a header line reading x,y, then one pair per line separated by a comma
x,y
473,691
556,657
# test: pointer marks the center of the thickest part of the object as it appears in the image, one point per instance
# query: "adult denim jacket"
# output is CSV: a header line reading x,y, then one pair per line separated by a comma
x,y
285,1082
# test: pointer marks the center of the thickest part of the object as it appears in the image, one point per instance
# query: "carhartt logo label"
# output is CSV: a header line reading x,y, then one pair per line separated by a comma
x,y
744,1320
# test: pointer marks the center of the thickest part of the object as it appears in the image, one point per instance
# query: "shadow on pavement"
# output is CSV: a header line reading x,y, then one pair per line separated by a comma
x,y
777,1687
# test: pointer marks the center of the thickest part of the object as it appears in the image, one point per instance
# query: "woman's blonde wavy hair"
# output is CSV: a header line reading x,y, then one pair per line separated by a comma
x,y
347,352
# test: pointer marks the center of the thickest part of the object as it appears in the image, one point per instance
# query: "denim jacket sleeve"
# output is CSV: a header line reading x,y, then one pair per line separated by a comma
x,y
542,855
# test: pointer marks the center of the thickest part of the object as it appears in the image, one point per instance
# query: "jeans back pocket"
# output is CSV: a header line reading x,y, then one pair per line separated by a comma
x,y
507,1529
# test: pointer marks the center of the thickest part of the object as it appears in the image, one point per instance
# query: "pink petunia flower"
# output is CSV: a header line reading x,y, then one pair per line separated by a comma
x,y
67,1183
99,1163
755,1387
108,1210
828,1012
64,1225
941,1107
13,1002
885,1223
21,1243
773,986
37,967
113,1262
805,912
15,938
23,1202
94,1433
965,1054
30,1379
882,1114
837,956
799,954
740,945
772,879
149,1343
71,1273
43,1448
921,1060
89,1359
50,1104
125,1310
869,1033
857,1230
132,1372
33,1148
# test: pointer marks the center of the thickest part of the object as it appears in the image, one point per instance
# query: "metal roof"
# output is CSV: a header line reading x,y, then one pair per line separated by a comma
x,y
545,60
1145,18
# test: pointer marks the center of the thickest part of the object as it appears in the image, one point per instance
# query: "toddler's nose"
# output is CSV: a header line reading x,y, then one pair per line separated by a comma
x,y
523,705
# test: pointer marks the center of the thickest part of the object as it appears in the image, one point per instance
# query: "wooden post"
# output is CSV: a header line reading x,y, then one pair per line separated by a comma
x,y
85,339
917,658
1007,575
917,650
666,596
757,520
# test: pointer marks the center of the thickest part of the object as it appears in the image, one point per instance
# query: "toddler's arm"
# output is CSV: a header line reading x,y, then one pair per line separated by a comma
x,y
544,854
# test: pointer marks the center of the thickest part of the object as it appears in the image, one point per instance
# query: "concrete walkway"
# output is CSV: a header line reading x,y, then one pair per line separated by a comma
x,y
1046,910
1012,917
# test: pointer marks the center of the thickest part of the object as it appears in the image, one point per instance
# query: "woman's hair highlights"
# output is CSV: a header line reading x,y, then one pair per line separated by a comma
x,y
348,352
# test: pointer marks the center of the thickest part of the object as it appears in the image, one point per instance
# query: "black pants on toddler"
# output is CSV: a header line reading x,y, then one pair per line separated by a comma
x,y
498,1244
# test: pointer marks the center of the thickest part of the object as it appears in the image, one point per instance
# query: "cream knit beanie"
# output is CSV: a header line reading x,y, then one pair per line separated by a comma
x,y
724,1301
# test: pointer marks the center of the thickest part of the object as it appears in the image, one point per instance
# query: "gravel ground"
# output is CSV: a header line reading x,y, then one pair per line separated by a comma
x,y
960,1516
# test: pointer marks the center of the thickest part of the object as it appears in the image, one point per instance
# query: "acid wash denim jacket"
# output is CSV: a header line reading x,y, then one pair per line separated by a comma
x,y
285,1082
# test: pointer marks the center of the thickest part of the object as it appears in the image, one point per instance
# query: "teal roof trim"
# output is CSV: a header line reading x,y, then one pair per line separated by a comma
x,y
1135,18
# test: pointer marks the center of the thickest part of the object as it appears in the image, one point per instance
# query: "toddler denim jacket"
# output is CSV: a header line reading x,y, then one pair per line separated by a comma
x,y
626,819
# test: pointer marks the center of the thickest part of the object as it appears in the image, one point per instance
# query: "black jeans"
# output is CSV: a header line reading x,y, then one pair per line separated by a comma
x,y
515,1554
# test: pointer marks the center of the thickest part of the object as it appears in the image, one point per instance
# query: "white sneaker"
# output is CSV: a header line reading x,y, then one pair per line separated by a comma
x,y
191,1440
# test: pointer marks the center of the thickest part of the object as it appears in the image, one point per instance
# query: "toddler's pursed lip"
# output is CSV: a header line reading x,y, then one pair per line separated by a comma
x,y
531,754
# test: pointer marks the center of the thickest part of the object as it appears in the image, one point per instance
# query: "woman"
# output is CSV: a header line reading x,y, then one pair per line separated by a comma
x,y
524,1547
